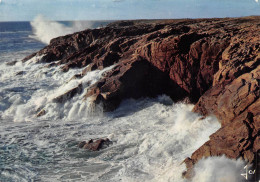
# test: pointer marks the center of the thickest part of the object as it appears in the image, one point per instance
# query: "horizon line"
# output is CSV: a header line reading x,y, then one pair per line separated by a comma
x,y
139,19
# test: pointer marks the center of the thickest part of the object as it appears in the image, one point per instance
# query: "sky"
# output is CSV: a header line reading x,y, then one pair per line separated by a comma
x,y
27,10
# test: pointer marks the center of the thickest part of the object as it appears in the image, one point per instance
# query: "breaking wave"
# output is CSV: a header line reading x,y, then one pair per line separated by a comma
x,y
218,169
44,30
151,137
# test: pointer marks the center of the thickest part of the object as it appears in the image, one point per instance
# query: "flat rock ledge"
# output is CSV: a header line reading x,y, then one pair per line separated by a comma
x,y
215,63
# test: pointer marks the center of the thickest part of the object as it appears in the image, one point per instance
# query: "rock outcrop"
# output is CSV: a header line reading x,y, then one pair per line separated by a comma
x,y
95,145
69,94
234,99
213,62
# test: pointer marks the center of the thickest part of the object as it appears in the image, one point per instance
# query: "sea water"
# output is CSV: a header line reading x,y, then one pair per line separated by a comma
x,y
151,137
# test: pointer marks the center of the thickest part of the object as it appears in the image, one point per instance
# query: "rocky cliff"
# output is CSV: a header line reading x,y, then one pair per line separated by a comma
x,y
215,63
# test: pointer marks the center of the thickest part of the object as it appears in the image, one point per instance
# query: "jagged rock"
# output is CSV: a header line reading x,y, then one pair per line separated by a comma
x,y
95,145
237,106
69,94
132,80
19,73
41,113
211,62
234,99
29,57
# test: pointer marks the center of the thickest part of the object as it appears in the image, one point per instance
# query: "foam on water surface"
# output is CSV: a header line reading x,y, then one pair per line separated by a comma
x,y
147,145
151,137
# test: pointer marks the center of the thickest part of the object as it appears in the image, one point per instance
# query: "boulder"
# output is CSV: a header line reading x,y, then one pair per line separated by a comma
x,y
41,113
11,63
95,145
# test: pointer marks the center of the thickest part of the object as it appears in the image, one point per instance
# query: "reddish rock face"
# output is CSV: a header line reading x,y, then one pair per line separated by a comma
x,y
132,79
234,99
213,62
175,57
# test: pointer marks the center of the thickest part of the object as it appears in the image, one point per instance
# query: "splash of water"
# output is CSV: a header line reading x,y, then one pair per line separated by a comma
x,y
44,30
151,137
218,169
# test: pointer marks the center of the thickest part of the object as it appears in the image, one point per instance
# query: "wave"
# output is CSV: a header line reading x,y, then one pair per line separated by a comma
x,y
44,30
216,169
151,137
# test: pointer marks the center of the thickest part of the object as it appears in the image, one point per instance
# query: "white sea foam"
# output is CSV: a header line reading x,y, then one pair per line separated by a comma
x,y
48,83
151,137
162,141
218,169
45,30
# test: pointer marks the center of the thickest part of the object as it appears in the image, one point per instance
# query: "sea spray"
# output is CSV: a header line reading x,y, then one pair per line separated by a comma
x,y
218,169
44,30
151,137
50,83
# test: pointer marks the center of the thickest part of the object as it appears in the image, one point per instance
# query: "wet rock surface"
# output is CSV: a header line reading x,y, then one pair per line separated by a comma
x,y
41,113
95,145
234,100
214,63
69,94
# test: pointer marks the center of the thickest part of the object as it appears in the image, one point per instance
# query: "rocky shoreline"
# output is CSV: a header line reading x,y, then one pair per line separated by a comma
x,y
214,63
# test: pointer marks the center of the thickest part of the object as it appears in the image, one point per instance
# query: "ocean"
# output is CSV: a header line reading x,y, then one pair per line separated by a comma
x,y
151,136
